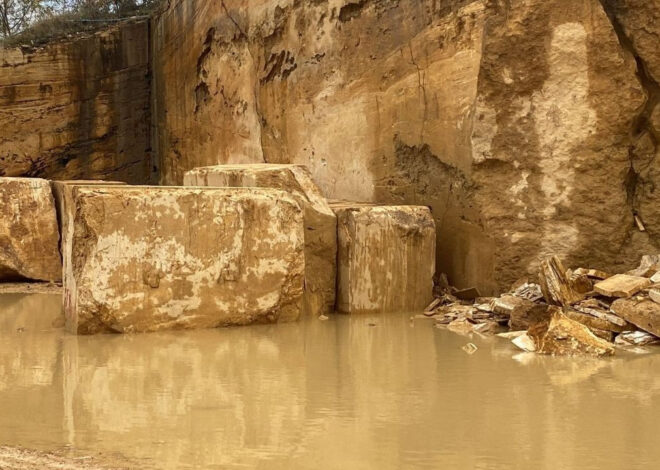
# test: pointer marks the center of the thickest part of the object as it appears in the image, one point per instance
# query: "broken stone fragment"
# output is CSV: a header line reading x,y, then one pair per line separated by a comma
x,y
593,273
320,221
524,342
159,258
654,295
555,284
562,336
644,314
462,326
648,266
386,258
655,279
602,318
529,290
528,313
621,285
636,338
29,236
581,283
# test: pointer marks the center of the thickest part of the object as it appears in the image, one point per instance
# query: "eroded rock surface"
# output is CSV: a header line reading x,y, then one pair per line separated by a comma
x,y
78,108
320,221
29,236
515,121
384,258
149,258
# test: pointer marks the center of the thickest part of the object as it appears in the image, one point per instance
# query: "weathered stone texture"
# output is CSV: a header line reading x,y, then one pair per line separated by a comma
x,y
320,221
78,108
384,258
29,236
148,258
514,121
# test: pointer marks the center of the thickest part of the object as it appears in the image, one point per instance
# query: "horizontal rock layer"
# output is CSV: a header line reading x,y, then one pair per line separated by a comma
x,y
149,258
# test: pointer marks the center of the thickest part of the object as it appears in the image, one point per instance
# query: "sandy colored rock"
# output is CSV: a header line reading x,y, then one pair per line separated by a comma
x,y
320,221
78,108
648,266
29,237
654,295
595,323
156,258
557,288
514,121
644,314
385,258
562,336
621,285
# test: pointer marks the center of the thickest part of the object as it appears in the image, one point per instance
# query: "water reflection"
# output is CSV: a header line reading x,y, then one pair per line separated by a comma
x,y
351,392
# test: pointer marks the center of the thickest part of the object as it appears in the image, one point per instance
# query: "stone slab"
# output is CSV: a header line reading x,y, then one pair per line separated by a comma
x,y
29,236
157,258
644,314
320,220
386,258
621,285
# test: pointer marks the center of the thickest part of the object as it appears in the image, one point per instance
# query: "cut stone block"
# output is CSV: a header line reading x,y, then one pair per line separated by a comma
x,y
320,221
644,314
158,258
386,258
28,231
621,285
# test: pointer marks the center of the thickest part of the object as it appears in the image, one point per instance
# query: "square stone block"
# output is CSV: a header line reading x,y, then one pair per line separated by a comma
x,y
29,236
386,258
320,221
158,258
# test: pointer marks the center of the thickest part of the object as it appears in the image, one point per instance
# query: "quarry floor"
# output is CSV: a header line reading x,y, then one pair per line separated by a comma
x,y
359,392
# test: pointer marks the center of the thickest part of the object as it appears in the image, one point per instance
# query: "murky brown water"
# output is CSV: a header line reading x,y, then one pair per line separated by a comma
x,y
337,394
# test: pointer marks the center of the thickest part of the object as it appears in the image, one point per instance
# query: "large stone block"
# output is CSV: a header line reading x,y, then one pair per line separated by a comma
x,y
28,231
386,258
320,221
156,258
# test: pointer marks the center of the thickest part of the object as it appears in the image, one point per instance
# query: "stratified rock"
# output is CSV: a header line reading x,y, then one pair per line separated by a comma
x,y
320,221
593,273
79,108
636,338
555,284
594,323
621,285
562,336
522,313
654,295
155,258
644,313
598,316
28,231
524,342
385,258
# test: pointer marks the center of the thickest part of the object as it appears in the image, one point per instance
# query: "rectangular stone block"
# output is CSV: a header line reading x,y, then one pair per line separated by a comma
x,y
29,236
320,221
386,258
157,258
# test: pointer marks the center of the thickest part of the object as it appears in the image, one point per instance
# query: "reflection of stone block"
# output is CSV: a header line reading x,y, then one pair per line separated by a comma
x,y
320,221
386,258
28,231
157,258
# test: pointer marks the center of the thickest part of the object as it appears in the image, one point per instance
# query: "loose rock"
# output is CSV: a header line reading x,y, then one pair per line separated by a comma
x,y
644,313
621,285
555,285
562,336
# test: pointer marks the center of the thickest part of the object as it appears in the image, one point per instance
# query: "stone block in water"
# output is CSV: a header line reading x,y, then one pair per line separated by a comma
x,y
386,258
160,258
28,231
320,221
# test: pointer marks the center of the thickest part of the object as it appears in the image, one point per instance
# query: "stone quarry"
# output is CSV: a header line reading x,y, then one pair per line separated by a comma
x,y
342,155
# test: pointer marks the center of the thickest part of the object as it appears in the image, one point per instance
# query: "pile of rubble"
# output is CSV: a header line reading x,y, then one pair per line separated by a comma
x,y
568,312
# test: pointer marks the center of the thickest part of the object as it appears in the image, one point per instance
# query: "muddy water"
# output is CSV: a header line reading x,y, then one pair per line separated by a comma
x,y
351,392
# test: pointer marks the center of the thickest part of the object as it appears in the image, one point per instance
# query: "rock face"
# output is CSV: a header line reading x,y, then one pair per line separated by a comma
x,y
29,236
154,258
320,221
513,120
384,258
78,108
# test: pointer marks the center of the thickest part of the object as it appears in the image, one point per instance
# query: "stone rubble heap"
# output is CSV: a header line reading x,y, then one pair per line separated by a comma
x,y
567,312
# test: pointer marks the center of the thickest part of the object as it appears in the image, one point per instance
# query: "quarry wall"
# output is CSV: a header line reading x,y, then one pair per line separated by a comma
x,y
529,127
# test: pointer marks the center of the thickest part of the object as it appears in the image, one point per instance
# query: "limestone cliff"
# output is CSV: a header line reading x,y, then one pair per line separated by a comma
x,y
78,108
518,122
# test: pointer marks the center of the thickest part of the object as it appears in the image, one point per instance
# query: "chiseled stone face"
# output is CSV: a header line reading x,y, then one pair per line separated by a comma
x,y
28,231
385,257
157,258
320,221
